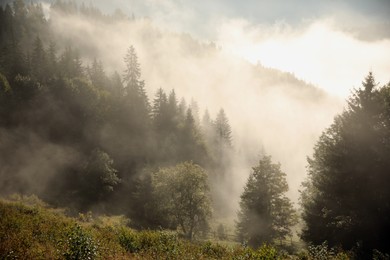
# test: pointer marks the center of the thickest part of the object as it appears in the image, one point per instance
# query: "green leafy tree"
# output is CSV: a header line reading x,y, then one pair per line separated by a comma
x,y
98,178
265,212
182,193
346,196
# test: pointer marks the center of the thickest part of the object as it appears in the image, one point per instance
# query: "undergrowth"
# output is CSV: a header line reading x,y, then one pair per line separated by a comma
x,y
29,229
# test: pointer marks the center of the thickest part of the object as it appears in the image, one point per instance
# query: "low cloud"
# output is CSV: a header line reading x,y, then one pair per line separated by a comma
x,y
318,52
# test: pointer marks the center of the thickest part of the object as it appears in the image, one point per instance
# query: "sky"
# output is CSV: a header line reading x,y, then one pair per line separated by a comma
x,y
331,44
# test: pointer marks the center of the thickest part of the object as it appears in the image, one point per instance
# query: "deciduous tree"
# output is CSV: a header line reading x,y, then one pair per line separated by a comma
x,y
182,193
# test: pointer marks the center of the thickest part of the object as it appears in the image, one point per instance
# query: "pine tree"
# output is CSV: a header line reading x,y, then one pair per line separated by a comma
x,y
132,73
39,61
159,109
135,87
265,212
223,129
195,111
52,61
97,74
172,105
346,196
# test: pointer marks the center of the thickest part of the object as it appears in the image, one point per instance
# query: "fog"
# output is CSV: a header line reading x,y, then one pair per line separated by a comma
x,y
319,52
270,111
103,107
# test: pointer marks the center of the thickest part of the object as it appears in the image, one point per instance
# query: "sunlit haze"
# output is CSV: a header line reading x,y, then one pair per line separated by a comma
x,y
320,53
281,71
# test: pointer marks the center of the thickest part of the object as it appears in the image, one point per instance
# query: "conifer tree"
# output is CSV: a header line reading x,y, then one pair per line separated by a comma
x,y
223,129
39,61
345,198
265,212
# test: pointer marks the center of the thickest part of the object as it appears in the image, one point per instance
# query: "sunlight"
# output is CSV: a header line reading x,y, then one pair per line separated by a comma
x,y
319,55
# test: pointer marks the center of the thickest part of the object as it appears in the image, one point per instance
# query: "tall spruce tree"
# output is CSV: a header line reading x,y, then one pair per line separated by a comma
x,y
346,196
223,130
135,87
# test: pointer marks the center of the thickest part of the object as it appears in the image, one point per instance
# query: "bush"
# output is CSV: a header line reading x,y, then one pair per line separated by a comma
x,y
213,250
323,252
148,241
128,239
80,245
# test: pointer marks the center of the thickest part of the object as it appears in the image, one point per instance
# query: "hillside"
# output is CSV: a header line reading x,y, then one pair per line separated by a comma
x,y
31,230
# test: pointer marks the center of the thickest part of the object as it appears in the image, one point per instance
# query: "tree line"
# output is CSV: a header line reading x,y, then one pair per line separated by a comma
x,y
86,140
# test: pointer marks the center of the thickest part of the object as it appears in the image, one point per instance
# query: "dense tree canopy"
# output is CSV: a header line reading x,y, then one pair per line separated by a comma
x,y
346,197
265,212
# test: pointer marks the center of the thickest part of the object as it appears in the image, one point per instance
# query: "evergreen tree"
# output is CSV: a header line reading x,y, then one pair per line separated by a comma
x,y
182,109
172,109
132,72
116,86
135,88
223,129
52,61
195,111
208,128
159,110
70,65
265,212
39,61
346,196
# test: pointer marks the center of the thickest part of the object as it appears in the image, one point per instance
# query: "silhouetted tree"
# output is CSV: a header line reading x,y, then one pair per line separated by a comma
x,y
39,61
346,195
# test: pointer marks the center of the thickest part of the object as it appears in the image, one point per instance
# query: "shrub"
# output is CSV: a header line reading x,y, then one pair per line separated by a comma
x,y
80,245
128,239
213,250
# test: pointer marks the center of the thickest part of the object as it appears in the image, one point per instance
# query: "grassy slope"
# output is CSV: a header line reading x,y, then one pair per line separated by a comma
x,y
31,230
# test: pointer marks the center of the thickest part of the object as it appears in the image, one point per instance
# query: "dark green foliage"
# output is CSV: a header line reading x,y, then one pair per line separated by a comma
x,y
265,212
346,196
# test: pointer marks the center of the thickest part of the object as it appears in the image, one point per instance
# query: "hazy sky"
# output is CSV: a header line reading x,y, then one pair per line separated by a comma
x,y
332,44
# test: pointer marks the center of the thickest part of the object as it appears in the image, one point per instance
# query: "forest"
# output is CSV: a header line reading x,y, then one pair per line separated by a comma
x,y
92,142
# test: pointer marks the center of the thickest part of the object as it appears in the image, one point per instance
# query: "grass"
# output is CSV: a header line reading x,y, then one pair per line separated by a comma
x,y
29,229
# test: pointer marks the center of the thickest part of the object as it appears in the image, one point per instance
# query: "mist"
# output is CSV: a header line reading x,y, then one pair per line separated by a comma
x,y
270,111
264,123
